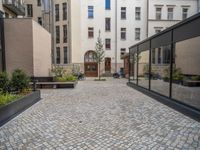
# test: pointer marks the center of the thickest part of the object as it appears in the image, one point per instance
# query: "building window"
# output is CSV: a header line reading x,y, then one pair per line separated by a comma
x,y
57,55
123,12
137,33
90,12
57,12
153,56
40,20
122,52
159,55
166,55
158,29
137,13
107,24
158,13
123,33
108,44
170,13
184,13
64,33
65,55
64,11
107,3
57,34
29,10
90,32
39,2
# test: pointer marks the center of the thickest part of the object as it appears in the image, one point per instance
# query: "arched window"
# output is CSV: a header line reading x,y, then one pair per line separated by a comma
x,y
90,56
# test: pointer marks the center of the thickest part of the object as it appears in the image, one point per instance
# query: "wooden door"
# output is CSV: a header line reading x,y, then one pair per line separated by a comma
x,y
107,64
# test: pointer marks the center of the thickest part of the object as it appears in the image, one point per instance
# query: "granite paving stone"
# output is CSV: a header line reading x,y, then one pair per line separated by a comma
x,y
106,115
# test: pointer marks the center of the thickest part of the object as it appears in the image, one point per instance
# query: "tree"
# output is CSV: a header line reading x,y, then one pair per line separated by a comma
x,y
100,53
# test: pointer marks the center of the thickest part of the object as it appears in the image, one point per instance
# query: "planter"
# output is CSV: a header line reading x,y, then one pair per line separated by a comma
x,y
55,85
173,81
191,83
14,108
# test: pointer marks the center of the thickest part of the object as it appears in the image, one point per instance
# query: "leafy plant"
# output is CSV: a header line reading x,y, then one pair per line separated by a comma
x,y
58,71
195,78
176,74
66,78
7,98
4,82
19,80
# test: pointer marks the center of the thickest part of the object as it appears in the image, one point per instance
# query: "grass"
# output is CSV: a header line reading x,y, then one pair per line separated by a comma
x,y
99,79
8,98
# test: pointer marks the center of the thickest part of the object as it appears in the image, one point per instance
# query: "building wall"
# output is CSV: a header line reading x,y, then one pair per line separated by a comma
x,y
177,5
41,51
28,47
60,23
19,45
80,23
187,56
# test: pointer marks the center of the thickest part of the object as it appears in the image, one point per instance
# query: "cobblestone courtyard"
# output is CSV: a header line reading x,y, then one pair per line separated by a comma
x,y
100,116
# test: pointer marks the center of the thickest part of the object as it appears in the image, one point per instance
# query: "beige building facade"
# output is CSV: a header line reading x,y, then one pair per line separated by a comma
x,y
31,51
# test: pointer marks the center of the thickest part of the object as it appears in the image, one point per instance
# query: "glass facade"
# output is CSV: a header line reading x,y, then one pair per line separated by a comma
x,y
168,63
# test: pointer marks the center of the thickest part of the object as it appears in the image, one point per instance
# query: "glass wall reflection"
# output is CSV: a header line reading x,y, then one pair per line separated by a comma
x,y
133,68
160,70
143,69
186,72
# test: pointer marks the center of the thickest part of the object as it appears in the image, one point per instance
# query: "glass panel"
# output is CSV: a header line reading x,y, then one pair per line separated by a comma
x,y
160,70
133,68
143,69
186,72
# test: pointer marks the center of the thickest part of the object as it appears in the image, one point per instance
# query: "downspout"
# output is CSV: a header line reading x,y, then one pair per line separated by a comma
x,y
147,28
52,32
2,43
116,36
198,5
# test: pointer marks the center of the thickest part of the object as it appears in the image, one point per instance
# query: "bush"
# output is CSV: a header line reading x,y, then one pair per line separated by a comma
x,y
67,78
4,82
19,80
195,78
7,98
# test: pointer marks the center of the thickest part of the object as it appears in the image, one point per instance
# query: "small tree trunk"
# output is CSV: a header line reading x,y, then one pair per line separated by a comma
x,y
99,72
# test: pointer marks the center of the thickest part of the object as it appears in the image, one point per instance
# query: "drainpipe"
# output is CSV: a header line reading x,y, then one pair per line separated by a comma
x,y
116,35
147,28
198,5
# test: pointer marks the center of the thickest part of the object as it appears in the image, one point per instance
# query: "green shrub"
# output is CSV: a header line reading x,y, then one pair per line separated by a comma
x,y
7,98
195,78
58,71
4,82
67,78
19,80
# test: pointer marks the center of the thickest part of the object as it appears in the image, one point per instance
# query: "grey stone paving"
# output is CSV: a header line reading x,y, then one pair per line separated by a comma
x,y
100,116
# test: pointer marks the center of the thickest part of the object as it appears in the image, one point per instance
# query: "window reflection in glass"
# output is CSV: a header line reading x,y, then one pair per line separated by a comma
x,y
160,70
143,69
186,72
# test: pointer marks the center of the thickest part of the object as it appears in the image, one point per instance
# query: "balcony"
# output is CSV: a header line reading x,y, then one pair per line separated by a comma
x,y
15,6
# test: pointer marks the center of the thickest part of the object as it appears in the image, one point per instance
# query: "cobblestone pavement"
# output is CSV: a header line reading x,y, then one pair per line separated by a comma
x,y
100,116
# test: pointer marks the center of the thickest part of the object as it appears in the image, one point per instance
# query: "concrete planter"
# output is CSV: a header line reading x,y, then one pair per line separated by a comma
x,y
11,110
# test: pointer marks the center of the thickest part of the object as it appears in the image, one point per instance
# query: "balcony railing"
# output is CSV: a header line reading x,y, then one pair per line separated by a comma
x,y
15,6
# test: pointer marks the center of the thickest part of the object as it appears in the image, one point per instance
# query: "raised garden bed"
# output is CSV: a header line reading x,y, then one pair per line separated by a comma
x,y
55,85
191,83
14,108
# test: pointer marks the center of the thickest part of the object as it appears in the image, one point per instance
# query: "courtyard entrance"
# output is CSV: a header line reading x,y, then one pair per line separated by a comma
x,y
91,67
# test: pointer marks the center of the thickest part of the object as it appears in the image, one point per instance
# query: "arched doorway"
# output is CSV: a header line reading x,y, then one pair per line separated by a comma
x,y
90,65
